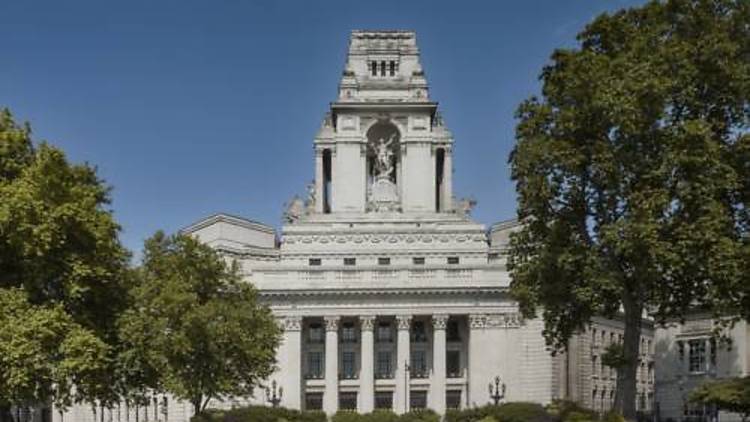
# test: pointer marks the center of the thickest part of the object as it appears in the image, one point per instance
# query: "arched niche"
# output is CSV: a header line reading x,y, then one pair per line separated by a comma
x,y
383,141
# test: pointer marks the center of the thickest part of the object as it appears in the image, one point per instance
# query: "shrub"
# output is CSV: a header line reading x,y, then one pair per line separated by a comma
x,y
347,416
259,414
570,411
420,415
381,416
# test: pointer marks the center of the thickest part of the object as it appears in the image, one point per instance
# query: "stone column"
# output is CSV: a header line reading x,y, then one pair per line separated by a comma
x,y
318,180
367,370
401,400
446,195
477,375
437,392
331,395
290,354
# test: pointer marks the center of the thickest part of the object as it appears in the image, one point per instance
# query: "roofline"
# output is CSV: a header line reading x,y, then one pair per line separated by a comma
x,y
228,218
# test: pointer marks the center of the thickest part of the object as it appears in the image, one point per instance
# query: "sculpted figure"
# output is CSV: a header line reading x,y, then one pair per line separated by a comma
x,y
310,204
383,155
464,206
294,210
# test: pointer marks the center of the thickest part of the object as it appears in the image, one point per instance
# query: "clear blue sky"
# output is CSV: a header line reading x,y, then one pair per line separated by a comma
x,y
189,108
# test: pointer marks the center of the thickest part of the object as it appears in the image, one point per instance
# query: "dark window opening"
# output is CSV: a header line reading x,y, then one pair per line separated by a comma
x,y
384,400
453,260
314,365
348,400
314,401
348,333
314,262
418,399
418,332
350,261
384,333
382,68
384,368
327,177
417,260
384,261
418,367
453,332
315,333
374,68
393,68
453,399
348,366
439,169
453,364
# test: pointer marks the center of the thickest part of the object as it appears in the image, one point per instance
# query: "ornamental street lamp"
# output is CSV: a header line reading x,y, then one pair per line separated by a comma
x,y
497,391
273,395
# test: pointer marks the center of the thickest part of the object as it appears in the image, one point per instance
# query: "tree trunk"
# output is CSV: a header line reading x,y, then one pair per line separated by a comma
x,y
625,395
5,414
197,405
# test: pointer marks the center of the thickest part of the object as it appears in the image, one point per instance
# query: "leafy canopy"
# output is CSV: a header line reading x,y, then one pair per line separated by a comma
x,y
197,324
732,395
632,174
44,354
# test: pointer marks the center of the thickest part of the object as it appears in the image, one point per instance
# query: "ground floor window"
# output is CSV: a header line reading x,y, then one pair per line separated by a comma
x,y
348,400
384,400
418,364
314,401
315,365
453,399
384,369
417,399
348,365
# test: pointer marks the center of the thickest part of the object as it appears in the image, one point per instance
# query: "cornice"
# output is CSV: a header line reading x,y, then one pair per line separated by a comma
x,y
382,292
458,236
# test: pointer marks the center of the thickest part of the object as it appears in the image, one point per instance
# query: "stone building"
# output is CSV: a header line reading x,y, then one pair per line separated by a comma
x,y
390,295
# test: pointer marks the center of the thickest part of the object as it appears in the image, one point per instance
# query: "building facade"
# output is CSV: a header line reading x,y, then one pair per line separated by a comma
x,y
687,355
389,294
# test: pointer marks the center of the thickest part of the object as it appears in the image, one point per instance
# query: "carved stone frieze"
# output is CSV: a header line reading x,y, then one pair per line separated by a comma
x,y
375,238
477,321
504,320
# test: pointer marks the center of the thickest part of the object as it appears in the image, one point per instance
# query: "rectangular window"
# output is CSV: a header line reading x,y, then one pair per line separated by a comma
x,y
314,262
348,365
417,399
314,365
594,366
453,399
697,355
384,261
382,68
374,68
393,68
347,400
384,400
417,260
418,332
384,333
452,333
453,260
348,333
453,364
418,367
314,401
315,333
384,370
350,261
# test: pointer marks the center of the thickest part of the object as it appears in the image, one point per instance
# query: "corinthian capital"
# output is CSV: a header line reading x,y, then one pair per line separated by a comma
x,y
332,323
403,322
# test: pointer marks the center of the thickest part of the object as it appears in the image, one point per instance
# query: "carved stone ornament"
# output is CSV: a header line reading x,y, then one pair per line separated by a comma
x,y
292,323
294,210
504,320
439,322
367,322
477,321
332,323
403,322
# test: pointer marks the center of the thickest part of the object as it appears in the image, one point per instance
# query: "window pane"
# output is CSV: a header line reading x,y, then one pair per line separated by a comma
x,y
453,399
350,261
417,399
348,365
453,363
417,261
314,261
418,332
314,365
384,261
384,365
348,400
384,400
314,401
453,333
453,260
418,364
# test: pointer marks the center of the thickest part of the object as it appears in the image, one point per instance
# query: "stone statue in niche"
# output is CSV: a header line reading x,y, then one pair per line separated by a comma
x,y
384,157
294,210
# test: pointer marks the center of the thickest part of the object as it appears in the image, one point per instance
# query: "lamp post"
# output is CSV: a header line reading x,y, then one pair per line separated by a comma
x,y
497,391
273,395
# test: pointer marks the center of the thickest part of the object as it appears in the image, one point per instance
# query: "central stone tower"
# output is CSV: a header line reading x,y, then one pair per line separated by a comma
x,y
383,148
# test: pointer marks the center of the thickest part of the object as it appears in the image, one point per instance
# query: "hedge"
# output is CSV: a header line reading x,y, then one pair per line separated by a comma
x,y
508,412
260,414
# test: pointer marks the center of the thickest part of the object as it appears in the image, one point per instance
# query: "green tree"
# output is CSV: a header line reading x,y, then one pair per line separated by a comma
x,y
58,238
198,323
626,170
731,395
45,355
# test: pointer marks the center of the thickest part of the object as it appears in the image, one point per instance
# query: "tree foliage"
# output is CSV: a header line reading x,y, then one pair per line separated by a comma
x,y
196,324
731,395
45,355
632,173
